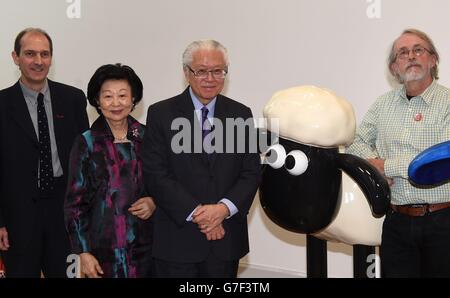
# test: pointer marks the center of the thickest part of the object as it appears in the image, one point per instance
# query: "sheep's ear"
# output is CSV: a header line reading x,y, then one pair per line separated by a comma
x,y
372,183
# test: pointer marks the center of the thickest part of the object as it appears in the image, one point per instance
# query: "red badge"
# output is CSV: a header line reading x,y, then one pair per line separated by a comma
x,y
418,117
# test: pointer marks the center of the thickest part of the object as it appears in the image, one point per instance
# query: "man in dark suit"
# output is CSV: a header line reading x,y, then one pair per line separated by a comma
x,y
203,196
39,120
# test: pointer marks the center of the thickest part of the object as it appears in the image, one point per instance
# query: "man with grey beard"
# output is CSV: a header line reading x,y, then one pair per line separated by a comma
x,y
398,126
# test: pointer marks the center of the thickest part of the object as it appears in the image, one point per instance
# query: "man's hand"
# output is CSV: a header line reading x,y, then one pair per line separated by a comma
x,y
378,163
90,266
207,217
4,242
216,234
143,208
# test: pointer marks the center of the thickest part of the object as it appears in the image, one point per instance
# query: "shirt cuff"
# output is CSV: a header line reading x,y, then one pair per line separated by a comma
x,y
189,218
231,207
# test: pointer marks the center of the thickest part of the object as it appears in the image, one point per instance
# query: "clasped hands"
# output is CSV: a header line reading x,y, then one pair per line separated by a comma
x,y
209,219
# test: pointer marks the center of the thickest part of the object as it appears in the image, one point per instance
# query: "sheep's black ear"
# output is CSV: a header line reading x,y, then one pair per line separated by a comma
x,y
372,183
432,166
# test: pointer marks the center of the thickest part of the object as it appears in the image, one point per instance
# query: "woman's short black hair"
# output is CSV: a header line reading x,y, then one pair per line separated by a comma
x,y
113,72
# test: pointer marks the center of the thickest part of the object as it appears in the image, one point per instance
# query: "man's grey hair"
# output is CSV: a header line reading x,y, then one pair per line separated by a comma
x,y
422,35
207,44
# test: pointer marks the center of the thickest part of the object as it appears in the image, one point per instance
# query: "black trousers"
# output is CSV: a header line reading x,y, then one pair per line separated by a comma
x,y
416,246
212,267
49,246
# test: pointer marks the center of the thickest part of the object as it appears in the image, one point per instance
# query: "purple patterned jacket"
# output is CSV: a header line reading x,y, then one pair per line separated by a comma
x,y
105,178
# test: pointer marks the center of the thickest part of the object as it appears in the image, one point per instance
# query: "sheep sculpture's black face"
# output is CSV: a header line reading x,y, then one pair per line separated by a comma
x,y
300,202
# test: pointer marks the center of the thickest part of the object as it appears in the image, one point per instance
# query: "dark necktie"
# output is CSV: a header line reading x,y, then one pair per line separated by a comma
x,y
206,128
45,151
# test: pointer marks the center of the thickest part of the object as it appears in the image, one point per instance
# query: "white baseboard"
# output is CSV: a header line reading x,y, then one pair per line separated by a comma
x,y
258,271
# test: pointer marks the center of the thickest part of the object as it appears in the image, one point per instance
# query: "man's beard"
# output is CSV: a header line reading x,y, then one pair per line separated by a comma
x,y
415,73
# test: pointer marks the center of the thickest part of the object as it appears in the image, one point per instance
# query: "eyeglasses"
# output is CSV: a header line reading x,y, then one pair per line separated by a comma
x,y
417,51
217,73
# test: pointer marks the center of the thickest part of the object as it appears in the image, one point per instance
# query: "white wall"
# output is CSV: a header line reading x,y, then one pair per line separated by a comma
x,y
273,44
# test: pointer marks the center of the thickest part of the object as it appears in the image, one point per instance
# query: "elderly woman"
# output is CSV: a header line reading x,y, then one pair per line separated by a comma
x,y
107,210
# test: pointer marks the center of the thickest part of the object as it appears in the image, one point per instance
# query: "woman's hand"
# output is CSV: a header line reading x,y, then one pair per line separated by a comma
x,y
90,266
143,208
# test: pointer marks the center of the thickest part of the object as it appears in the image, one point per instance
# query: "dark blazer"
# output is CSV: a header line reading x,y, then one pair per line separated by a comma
x,y
19,155
180,182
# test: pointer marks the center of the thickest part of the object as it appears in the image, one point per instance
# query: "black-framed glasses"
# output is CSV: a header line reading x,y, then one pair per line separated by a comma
x,y
417,51
217,73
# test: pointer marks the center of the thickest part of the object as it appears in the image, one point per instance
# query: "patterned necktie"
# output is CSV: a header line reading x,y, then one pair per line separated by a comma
x,y
206,128
45,153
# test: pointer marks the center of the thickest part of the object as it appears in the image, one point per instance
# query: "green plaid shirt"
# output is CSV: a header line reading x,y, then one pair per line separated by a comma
x,y
397,129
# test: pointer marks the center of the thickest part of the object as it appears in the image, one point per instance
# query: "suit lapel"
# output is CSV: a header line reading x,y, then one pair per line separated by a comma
x,y
219,114
186,110
20,112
